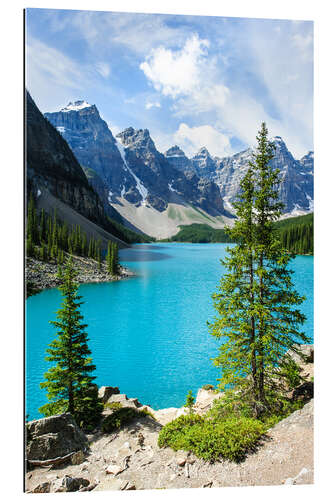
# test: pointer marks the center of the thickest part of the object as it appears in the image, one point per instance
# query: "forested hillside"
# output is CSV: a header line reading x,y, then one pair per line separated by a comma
x,y
296,234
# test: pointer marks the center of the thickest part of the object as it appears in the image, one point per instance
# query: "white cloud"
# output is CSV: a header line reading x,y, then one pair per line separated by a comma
x,y
191,139
103,69
279,92
176,72
150,105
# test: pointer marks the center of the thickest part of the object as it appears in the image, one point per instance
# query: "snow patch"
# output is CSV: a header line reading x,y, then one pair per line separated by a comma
x,y
171,188
61,129
110,197
310,200
122,192
38,193
139,186
76,106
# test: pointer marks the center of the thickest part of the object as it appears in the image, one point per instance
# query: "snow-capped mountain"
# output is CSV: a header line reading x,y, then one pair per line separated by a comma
x,y
296,191
130,164
135,178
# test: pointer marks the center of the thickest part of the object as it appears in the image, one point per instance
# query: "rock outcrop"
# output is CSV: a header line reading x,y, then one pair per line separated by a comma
x,y
53,437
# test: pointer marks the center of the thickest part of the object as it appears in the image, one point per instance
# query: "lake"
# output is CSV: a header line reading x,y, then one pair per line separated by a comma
x,y
148,334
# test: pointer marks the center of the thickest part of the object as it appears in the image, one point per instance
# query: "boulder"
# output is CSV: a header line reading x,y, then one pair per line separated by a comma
x,y
204,400
53,437
105,392
306,354
124,401
41,488
69,484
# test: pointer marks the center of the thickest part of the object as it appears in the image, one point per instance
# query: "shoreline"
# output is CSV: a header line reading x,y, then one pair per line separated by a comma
x,y
41,275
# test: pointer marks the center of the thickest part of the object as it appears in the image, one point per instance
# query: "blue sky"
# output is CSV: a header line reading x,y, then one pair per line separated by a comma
x,y
191,80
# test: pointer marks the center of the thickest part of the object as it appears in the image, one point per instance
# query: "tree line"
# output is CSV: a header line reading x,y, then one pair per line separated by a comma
x,y
49,239
298,236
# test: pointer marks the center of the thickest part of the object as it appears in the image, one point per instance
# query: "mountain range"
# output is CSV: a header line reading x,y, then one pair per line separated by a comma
x,y
154,192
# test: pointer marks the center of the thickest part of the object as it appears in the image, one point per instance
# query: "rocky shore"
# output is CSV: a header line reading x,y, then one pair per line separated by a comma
x,y
60,457
41,275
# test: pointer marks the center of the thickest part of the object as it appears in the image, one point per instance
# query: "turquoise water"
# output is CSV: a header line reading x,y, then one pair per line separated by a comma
x,y
148,334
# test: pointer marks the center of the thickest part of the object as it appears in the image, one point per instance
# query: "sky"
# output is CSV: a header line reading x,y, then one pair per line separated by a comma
x,y
192,81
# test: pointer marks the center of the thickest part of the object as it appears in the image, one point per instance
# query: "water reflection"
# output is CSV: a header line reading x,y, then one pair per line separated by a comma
x,y
143,253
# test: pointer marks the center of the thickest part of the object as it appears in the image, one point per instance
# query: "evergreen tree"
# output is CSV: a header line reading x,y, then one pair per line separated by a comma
x,y
256,303
42,226
69,380
109,258
189,403
32,225
114,259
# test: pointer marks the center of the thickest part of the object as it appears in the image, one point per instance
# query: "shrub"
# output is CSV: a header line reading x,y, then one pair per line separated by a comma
x,y
121,417
208,387
115,405
230,439
231,405
173,433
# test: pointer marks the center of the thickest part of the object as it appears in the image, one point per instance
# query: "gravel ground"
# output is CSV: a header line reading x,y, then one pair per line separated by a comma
x,y
42,275
131,459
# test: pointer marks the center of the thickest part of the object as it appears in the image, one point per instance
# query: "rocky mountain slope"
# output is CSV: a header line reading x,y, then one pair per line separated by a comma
x,y
133,176
296,191
56,179
52,166
155,192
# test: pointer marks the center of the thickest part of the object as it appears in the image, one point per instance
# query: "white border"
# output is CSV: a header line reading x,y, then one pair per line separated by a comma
x,y
11,230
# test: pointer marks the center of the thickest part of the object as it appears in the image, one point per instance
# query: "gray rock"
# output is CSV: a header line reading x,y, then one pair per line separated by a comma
x,y
41,488
69,484
54,437
105,392
305,354
78,458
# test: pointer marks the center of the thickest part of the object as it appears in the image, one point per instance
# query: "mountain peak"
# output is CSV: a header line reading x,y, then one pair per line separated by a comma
x,y
76,106
204,151
175,151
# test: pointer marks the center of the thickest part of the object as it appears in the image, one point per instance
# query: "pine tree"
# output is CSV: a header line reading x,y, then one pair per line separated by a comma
x,y
69,380
256,302
114,259
109,262
32,225
42,226
189,403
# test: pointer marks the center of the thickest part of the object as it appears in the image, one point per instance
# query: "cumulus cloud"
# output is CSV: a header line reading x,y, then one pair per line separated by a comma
x,y
176,72
191,139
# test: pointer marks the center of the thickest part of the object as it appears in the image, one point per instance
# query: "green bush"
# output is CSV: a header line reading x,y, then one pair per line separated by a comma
x,y
115,405
208,387
121,417
230,439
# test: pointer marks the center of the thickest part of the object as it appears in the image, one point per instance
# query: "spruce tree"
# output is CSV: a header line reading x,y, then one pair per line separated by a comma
x,y
256,303
69,380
